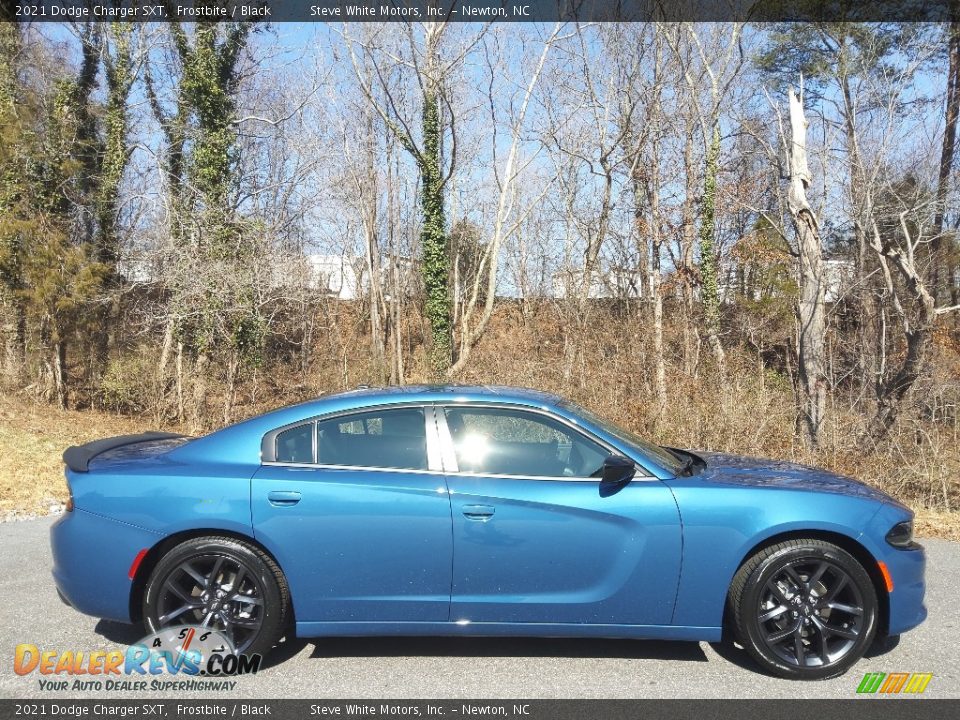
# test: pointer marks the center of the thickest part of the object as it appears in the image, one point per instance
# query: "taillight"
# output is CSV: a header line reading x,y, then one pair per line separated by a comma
x,y
135,565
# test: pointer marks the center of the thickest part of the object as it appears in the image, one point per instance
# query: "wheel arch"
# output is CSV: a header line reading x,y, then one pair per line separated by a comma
x,y
161,548
845,542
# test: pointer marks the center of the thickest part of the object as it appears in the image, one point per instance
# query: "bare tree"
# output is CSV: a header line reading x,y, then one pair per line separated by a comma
x,y
811,313
719,58
944,265
431,70
506,220
913,304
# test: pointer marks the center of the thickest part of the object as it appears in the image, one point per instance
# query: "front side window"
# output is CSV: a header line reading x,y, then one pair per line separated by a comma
x,y
381,439
503,441
660,455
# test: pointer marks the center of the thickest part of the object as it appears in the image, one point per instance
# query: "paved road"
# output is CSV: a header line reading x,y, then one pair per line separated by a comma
x,y
472,667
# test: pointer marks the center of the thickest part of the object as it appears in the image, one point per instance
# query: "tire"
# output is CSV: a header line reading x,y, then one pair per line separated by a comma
x,y
182,590
806,599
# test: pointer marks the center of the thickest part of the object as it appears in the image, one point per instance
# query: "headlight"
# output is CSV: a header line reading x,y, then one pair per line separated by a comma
x,y
901,534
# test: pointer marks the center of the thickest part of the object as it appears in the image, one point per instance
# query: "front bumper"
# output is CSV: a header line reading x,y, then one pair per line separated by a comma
x,y
91,560
907,570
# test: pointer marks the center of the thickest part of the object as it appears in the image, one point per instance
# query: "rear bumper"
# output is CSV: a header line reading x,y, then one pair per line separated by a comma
x,y
91,558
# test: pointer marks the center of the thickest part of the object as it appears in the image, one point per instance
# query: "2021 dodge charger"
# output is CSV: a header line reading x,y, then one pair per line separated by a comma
x,y
447,510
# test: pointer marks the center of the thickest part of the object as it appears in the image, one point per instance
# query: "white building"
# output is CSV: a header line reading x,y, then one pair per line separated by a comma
x,y
609,283
340,276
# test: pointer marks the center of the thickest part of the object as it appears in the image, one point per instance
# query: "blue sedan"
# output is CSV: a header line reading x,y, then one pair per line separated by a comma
x,y
448,510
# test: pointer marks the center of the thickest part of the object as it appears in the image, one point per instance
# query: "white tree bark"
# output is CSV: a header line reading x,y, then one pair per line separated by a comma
x,y
811,314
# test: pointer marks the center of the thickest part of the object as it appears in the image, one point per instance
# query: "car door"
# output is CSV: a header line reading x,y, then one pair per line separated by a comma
x,y
358,517
537,540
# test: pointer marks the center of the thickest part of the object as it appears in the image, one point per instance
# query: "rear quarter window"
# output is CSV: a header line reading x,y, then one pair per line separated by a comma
x,y
296,444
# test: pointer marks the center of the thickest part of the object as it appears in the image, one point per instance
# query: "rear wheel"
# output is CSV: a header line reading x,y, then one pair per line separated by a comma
x,y
804,609
221,583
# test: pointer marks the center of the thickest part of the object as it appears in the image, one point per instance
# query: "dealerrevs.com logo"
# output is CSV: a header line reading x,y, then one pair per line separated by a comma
x,y
201,657
901,683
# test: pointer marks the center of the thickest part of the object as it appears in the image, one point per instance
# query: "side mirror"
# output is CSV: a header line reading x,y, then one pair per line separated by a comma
x,y
617,470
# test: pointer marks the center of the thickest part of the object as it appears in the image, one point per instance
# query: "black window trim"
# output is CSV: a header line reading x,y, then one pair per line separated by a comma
x,y
273,435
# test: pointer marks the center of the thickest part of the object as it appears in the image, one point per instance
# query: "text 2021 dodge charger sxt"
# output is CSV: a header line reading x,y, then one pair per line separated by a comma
x,y
481,511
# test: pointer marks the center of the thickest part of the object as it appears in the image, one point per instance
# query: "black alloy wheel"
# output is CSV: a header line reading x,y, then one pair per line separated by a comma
x,y
223,584
804,609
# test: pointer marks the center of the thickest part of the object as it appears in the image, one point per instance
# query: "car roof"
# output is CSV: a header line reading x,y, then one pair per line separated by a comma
x,y
427,392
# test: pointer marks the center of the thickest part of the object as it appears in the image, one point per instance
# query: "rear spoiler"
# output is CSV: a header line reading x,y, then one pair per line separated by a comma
x,y
78,457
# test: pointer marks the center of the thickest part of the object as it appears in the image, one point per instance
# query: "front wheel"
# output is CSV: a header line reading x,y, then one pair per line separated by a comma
x,y
804,609
221,583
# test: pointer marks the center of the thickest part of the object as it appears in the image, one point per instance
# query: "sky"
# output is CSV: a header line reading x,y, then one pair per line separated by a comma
x,y
314,47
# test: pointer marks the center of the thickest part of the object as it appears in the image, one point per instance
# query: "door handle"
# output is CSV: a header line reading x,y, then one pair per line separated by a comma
x,y
283,498
478,512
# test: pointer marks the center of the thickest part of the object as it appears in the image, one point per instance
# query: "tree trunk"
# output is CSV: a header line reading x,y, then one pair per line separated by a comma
x,y
656,291
375,297
198,401
646,193
369,191
943,268
161,375
12,316
118,63
433,238
595,241
709,289
394,311
13,328
811,315
233,369
687,237
917,321
181,410
60,373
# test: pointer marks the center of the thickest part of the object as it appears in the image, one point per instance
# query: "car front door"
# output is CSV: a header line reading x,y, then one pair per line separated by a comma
x,y
358,517
536,538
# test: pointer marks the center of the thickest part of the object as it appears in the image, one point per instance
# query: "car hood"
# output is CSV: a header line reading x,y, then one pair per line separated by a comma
x,y
757,472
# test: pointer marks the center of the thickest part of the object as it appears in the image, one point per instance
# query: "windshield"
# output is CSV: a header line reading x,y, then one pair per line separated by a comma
x,y
661,456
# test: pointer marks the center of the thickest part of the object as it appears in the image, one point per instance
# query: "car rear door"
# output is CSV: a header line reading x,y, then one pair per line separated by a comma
x,y
358,517
536,539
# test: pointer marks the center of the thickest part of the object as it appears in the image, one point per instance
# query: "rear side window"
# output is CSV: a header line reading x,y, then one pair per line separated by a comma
x,y
394,439
296,444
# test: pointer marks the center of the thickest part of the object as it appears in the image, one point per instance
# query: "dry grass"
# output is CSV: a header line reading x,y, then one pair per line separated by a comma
x,y
35,435
32,439
607,370
938,524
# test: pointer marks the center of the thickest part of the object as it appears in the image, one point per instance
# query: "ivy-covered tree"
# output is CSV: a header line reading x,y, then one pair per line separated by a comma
x,y
120,74
432,76
214,311
12,195
50,271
